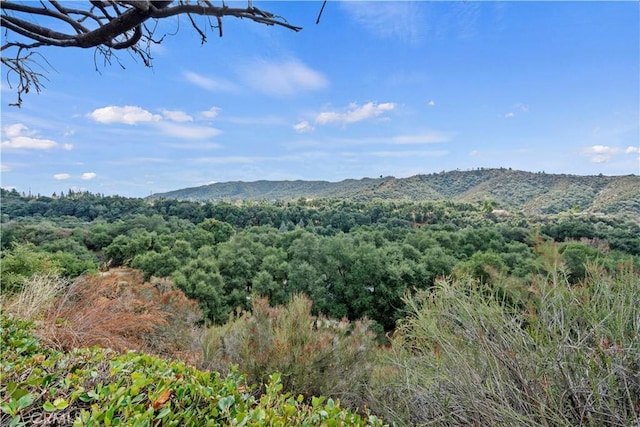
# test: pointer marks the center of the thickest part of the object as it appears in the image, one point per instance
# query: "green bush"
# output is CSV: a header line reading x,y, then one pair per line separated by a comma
x,y
90,387
22,261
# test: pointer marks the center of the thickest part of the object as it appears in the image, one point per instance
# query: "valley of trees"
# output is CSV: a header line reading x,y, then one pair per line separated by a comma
x,y
406,308
352,259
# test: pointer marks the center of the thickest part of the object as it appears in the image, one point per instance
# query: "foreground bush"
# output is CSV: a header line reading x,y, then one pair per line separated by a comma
x,y
315,355
89,387
572,358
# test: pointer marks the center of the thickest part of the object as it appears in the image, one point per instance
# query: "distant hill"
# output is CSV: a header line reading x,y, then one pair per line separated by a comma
x,y
512,190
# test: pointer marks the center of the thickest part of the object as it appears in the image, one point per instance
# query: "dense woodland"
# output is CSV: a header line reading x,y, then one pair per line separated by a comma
x,y
347,297
352,259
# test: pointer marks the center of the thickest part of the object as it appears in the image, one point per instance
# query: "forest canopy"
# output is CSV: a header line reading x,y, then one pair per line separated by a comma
x,y
353,259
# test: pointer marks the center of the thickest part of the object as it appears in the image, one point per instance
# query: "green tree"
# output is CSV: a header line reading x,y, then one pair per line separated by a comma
x,y
483,266
124,248
264,285
220,231
489,205
199,279
576,257
158,264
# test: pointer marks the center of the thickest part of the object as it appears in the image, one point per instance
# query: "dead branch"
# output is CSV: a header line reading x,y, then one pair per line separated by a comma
x,y
105,25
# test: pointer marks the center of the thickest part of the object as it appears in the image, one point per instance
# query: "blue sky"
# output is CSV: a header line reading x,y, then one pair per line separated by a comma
x,y
377,88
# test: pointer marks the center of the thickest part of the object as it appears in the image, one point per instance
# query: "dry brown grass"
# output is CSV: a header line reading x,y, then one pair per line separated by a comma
x,y
37,294
114,309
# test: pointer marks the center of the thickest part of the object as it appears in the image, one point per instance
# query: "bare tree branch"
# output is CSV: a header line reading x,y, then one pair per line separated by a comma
x,y
105,25
29,72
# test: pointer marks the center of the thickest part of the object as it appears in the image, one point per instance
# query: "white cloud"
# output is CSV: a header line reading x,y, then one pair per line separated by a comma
x,y
474,153
432,103
282,78
632,150
600,153
425,138
128,114
189,132
61,176
303,127
521,107
5,168
67,147
355,113
211,113
517,107
18,136
207,83
13,131
177,116
88,176
601,149
172,122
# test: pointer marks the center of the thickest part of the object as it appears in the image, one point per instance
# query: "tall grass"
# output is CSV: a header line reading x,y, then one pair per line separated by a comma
x,y
36,295
463,357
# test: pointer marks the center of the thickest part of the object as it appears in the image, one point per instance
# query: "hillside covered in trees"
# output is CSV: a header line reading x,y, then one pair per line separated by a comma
x,y
416,311
534,193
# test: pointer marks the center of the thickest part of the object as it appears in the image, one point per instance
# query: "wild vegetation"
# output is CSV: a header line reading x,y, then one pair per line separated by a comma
x,y
564,356
94,386
419,312
532,193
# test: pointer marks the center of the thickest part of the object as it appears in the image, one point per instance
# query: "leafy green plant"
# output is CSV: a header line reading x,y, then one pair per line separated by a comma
x,y
85,387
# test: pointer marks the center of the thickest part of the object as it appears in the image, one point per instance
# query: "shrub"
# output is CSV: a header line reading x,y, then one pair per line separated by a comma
x,y
315,355
116,309
101,387
177,336
571,358
21,262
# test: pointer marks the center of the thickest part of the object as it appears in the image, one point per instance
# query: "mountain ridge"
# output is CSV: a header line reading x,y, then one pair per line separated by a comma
x,y
532,192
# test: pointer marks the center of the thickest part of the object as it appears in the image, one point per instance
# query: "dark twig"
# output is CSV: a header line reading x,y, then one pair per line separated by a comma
x,y
321,10
105,25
